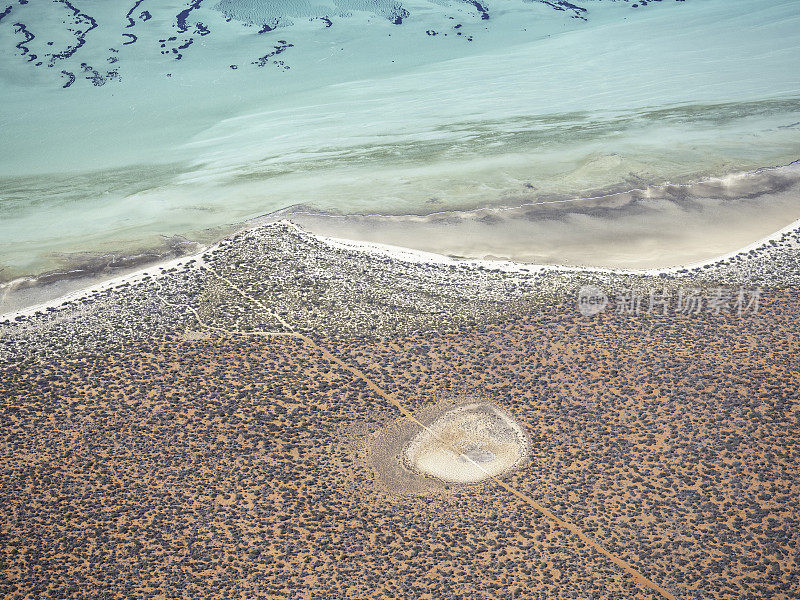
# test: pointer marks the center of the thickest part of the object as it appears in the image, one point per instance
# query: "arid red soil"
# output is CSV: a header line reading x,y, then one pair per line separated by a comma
x,y
233,467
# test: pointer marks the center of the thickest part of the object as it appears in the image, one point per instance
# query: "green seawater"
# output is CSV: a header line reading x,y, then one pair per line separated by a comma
x,y
379,119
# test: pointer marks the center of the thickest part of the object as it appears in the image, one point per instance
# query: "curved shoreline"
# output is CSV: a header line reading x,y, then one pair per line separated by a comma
x,y
408,255
421,256
95,271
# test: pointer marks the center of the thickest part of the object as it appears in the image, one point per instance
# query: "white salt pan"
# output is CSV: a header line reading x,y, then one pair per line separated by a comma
x,y
467,444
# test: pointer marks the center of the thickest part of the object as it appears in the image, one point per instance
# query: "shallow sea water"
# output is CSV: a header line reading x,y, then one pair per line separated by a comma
x,y
335,108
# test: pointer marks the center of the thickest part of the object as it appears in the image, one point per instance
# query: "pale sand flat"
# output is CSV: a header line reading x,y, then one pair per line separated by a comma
x,y
467,444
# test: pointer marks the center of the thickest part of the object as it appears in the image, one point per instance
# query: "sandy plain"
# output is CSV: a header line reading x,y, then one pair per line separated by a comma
x,y
223,430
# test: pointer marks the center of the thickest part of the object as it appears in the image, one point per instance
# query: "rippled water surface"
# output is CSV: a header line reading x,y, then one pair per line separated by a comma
x,y
126,124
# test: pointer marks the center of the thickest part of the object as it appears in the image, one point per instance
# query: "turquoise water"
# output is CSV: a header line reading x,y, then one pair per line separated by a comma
x,y
370,116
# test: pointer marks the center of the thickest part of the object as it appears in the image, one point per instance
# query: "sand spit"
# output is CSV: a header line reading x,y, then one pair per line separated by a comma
x,y
784,240
770,190
467,444
120,281
334,288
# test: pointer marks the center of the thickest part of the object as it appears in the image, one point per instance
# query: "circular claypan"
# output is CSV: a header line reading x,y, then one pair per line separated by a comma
x,y
467,444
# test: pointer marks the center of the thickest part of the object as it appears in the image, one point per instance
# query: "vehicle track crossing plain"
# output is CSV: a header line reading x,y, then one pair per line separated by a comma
x,y
641,580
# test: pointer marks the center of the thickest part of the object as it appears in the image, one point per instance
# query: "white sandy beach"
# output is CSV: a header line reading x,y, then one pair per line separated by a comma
x,y
398,253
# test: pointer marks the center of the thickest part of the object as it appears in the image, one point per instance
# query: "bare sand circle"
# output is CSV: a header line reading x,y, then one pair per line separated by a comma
x,y
467,444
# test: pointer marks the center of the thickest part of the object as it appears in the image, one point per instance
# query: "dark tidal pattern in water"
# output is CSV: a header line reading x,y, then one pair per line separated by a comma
x,y
57,35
